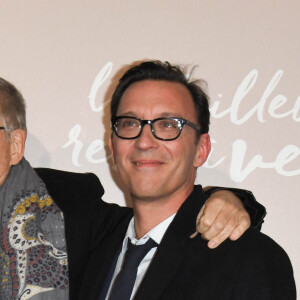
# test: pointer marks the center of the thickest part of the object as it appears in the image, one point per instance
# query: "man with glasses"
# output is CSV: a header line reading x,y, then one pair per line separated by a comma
x,y
34,236
44,213
160,123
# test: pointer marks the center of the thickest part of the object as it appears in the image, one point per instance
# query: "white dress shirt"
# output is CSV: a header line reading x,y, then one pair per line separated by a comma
x,y
156,234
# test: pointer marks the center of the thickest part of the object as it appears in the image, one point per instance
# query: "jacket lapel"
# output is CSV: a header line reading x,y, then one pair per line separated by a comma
x,y
100,266
172,249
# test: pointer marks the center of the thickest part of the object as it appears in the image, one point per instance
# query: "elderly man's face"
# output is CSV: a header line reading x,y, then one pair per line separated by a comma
x,y
5,155
152,168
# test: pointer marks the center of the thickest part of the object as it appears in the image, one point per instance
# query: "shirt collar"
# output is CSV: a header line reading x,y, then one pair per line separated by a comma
x,y
156,233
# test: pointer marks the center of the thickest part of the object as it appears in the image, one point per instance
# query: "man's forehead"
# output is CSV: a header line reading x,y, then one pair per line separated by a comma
x,y
156,89
150,83
159,98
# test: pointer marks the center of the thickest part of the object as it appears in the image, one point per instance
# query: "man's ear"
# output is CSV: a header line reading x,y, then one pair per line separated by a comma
x,y
17,145
204,147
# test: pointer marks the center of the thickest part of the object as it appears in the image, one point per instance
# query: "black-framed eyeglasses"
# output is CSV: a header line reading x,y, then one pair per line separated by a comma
x,y
166,129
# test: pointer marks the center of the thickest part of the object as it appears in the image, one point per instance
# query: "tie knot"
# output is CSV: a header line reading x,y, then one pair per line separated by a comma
x,y
136,253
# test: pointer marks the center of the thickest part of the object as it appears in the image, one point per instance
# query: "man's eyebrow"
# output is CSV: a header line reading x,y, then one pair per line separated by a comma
x,y
168,115
127,113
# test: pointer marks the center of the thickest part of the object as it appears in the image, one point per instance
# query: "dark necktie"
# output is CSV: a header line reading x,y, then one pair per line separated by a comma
x,y
124,282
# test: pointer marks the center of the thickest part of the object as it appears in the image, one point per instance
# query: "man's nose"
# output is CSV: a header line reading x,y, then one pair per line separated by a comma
x,y
146,139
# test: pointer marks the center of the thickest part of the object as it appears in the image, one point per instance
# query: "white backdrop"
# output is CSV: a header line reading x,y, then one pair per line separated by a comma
x,y
65,57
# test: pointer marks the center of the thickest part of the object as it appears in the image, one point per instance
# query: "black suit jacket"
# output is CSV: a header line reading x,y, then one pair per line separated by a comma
x,y
88,219
254,267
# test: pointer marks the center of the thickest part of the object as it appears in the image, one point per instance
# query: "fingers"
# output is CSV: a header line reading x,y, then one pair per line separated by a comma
x,y
223,216
237,224
216,237
222,225
238,231
207,223
201,212
200,215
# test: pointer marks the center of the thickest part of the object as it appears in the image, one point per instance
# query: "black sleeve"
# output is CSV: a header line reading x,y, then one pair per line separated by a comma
x,y
256,211
79,196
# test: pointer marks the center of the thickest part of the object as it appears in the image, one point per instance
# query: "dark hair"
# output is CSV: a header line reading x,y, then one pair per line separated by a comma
x,y
12,107
157,70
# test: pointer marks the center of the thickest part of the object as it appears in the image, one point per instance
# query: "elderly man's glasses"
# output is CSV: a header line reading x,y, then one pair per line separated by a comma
x,y
166,129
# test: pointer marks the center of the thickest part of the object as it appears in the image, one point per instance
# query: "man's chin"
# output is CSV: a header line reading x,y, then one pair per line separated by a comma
x,y
145,194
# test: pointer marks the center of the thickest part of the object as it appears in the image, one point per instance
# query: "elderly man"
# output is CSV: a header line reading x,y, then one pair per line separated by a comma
x,y
160,124
45,213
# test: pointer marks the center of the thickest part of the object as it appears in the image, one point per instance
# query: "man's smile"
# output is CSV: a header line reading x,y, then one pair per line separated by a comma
x,y
147,163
